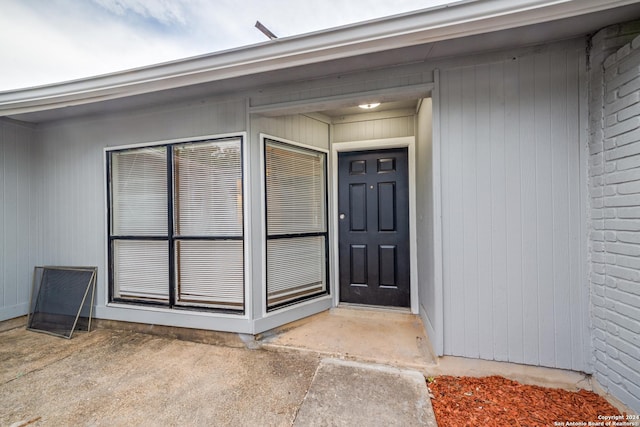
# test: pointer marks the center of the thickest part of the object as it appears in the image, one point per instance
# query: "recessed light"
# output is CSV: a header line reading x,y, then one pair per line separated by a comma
x,y
369,106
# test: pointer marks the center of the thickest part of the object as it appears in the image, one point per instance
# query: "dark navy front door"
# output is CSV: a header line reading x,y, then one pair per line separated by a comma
x,y
373,209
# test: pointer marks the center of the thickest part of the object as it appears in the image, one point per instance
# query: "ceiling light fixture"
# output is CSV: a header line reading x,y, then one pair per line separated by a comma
x,y
369,106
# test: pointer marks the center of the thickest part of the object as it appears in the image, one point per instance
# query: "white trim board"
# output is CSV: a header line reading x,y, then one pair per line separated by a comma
x,y
438,339
377,144
14,311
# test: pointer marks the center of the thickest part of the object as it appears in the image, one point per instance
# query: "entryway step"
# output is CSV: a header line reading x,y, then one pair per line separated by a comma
x,y
385,337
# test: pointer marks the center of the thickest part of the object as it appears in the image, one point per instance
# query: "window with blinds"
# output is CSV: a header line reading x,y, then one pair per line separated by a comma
x,y
296,221
139,235
209,224
176,230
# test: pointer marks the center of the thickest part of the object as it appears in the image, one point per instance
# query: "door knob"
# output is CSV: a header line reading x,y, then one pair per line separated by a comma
x,y
341,216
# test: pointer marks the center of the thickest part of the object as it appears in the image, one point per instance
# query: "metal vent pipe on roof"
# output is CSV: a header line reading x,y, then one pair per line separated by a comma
x,y
265,30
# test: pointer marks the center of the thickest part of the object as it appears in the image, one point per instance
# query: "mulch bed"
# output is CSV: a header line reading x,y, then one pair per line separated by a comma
x,y
497,401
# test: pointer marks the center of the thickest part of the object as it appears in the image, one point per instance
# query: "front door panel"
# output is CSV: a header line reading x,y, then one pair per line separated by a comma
x,y
373,204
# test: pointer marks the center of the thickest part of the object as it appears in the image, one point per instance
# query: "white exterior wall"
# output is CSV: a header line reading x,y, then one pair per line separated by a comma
x,y
17,238
615,214
512,209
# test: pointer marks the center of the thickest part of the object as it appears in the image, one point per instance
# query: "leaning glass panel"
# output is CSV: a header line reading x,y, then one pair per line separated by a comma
x,y
141,270
210,273
208,185
139,192
296,269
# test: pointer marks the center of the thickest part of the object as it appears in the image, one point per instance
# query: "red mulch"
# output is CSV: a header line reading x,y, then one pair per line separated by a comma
x,y
497,401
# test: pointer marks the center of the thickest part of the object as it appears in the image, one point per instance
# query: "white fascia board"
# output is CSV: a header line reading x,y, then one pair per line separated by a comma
x,y
430,25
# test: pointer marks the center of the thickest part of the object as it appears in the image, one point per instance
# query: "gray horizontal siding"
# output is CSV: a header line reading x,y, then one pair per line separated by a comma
x,y
511,211
379,128
298,128
16,211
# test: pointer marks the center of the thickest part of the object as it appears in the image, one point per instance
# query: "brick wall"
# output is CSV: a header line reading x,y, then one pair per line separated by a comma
x,y
614,170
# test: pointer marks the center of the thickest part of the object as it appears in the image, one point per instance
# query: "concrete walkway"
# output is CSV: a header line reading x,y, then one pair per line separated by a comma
x,y
345,393
111,377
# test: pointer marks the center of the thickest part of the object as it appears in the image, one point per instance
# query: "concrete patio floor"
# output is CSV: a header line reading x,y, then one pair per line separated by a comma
x,y
110,378
116,377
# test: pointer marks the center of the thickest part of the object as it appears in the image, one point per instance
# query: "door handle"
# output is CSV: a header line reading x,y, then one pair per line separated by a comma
x,y
341,216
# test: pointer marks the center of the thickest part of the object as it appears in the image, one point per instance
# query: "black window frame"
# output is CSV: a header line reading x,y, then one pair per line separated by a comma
x,y
325,234
172,237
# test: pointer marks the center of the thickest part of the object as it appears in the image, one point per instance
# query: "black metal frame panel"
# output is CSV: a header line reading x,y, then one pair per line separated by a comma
x,y
60,317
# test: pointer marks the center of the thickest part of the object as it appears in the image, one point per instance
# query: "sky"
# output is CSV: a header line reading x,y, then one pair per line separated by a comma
x,y
50,41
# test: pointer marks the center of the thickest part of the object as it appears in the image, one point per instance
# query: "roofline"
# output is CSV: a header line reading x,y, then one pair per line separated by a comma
x,y
413,28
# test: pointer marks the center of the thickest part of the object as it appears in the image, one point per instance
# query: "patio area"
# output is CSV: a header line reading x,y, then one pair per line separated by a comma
x,y
124,377
334,368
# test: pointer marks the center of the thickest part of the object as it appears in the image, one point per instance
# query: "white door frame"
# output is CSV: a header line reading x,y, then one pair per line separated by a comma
x,y
375,144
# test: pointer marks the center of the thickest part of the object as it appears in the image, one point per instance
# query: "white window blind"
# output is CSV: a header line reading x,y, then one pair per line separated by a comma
x,y
296,223
208,183
210,272
139,192
141,269
296,268
208,186
296,194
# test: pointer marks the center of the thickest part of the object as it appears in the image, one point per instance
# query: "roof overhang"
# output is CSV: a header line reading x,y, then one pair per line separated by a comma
x,y
438,26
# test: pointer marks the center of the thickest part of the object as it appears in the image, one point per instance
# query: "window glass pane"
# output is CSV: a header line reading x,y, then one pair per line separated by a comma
x,y
208,185
295,180
139,192
141,269
296,268
211,272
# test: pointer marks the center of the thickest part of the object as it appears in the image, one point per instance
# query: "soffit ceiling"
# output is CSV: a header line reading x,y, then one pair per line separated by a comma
x,y
498,40
409,104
